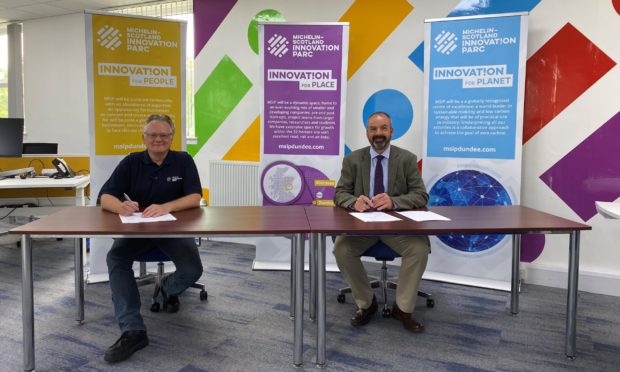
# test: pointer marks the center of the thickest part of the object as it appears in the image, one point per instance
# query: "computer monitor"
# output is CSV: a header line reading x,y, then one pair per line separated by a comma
x,y
11,137
39,148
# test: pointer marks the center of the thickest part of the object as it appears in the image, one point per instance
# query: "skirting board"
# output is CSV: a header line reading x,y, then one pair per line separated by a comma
x,y
607,284
589,281
151,268
256,265
285,266
549,276
96,278
269,265
469,281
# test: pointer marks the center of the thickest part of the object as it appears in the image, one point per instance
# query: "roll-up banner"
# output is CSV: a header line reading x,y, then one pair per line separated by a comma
x,y
303,75
136,67
474,89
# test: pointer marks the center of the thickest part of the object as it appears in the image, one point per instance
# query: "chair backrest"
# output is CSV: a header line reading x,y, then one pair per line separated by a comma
x,y
381,252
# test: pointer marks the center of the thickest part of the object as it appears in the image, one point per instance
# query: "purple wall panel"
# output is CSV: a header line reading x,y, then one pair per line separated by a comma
x,y
208,15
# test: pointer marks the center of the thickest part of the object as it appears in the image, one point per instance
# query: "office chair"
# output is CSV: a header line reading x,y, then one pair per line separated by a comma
x,y
382,252
155,255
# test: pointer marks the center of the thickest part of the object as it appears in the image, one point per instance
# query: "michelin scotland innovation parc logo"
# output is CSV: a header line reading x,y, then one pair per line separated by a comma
x,y
109,37
445,42
277,45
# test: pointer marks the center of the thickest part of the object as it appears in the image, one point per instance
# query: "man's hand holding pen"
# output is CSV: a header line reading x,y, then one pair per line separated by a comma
x,y
381,202
128,206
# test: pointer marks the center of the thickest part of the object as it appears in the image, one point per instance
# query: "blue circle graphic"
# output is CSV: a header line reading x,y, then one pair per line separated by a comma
x,y
469,187
396,104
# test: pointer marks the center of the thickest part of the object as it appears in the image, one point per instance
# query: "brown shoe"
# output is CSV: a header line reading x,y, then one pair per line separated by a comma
x,y
362,316
409,323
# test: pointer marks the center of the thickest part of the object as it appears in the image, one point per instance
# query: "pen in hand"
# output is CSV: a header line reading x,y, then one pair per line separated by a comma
x,y
133,203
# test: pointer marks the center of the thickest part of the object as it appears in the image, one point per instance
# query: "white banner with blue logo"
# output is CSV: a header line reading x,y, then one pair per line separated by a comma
x,y
474,90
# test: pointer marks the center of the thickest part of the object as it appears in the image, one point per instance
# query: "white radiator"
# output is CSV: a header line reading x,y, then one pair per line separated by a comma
x,y
233,183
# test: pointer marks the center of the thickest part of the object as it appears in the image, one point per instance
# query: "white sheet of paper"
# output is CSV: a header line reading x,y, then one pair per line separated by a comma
x,y
374,216
423,216
137,218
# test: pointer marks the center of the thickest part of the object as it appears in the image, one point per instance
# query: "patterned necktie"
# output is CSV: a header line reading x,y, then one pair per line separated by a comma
x,y
378,187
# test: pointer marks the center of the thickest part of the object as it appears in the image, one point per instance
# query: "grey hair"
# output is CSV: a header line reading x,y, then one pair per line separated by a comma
x,y
159,117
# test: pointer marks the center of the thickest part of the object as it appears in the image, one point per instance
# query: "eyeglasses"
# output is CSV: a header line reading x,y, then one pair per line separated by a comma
x,y
161,136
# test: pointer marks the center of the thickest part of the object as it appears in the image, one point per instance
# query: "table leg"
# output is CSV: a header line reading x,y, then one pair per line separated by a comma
x,y
80,200
571,298
292,299
27,303
321,301
514,283
313,274
299,300
78,258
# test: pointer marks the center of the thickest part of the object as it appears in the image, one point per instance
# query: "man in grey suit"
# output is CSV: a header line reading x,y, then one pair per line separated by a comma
x,y
382,177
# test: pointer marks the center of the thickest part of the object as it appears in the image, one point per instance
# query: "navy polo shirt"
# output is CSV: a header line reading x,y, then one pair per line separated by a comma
x,y
148,183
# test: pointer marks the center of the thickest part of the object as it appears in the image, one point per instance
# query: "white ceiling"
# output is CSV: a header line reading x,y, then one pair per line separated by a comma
x,y
21,10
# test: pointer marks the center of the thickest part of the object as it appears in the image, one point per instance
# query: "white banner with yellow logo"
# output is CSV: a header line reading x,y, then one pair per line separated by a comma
x,y
136,67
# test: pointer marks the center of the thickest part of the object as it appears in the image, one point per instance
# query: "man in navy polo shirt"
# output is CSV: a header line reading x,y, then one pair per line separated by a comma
x,y
157,181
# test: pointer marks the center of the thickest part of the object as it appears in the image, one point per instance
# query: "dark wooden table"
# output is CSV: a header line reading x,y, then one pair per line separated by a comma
x,y
515,220
82,222
294,221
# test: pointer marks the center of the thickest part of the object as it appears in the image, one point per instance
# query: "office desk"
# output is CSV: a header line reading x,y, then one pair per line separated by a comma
x,y
608,209
81,222
79,183
515,220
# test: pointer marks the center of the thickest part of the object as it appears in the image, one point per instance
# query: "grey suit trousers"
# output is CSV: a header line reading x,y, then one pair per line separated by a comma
x,y
414,251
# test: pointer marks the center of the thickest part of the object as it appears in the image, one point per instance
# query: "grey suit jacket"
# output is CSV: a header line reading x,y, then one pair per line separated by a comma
x,y
405,185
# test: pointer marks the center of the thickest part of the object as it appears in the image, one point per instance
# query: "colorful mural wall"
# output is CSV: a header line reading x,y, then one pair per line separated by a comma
x,y
572,104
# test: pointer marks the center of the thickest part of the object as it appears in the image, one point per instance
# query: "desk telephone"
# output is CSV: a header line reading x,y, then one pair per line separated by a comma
x,y
63,169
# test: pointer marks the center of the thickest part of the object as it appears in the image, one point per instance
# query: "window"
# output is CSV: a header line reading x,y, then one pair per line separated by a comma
x,y
179,10
4,73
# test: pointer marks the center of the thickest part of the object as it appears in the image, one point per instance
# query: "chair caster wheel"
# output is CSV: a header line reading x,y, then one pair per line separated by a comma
x,y
155,307
203,295
340,298
386,313
430,303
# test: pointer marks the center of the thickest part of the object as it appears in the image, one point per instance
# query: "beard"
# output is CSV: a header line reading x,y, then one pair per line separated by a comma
x,y
379,143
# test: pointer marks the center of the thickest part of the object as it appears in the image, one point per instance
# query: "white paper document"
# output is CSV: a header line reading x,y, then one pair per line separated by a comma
x,y
374,216
137,218
423,216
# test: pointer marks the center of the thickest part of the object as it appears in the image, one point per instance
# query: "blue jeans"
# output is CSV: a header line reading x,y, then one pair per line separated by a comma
x,y
182,251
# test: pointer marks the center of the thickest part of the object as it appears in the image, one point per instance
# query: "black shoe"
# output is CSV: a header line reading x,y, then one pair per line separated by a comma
x,y
125,346
362,316
171,303
409,323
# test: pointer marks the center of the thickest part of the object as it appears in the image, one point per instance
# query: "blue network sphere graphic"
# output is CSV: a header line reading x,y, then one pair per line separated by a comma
x,y
469,187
